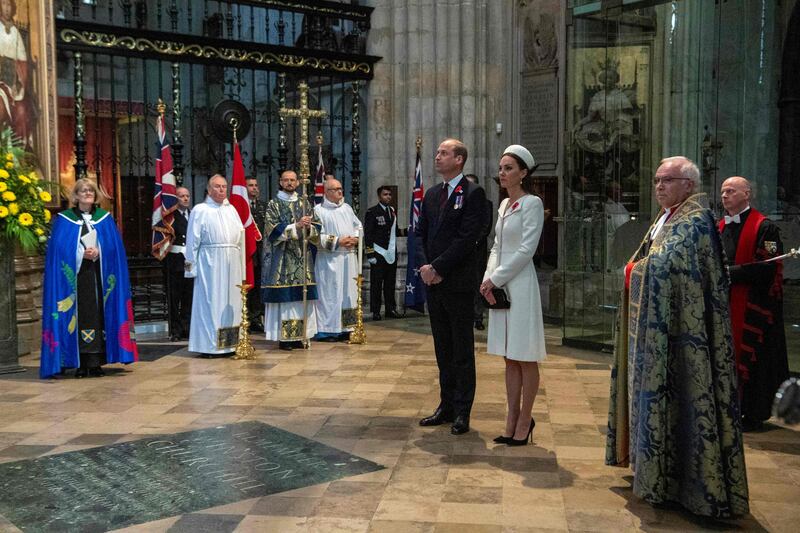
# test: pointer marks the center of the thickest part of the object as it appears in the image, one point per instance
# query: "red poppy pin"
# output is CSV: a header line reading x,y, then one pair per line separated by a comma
x,y
515,206
457,190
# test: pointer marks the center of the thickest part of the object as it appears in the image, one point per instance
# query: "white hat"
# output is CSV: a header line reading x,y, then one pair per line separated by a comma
x,y
523,153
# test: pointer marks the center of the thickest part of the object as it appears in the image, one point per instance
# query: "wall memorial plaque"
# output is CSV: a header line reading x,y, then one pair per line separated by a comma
x,y
115,486
539,117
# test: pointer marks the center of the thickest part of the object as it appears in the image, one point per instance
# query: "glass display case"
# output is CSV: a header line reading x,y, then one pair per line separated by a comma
x,y
648,80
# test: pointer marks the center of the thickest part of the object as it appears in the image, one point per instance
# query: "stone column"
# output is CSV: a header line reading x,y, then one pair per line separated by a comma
x,y
446,72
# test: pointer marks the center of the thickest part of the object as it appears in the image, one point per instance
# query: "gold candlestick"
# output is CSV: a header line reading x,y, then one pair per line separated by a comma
x,y
244,350
358,336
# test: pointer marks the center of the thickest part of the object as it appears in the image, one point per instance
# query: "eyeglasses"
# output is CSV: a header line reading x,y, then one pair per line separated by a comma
x,y
666,181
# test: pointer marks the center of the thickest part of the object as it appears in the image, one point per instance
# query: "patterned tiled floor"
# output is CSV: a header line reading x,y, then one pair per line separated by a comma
x,y
366,400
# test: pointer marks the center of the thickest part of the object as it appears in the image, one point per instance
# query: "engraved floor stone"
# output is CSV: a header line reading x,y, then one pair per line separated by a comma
x,y
216,428
148,479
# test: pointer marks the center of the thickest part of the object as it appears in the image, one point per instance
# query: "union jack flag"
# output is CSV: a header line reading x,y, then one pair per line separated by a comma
x,y
319,179
165,199
415,289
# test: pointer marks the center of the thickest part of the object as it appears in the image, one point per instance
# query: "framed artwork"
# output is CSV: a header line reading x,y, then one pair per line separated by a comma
x,y
28,79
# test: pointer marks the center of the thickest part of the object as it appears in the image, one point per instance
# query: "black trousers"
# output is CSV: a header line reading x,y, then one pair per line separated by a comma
x,y
255,309
451,315
382,278
180,295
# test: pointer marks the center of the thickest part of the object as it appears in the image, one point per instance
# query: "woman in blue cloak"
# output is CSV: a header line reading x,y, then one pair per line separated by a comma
x,y
87,314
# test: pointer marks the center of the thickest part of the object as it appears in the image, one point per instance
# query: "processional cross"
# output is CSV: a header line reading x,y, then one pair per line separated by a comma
x,y
304,113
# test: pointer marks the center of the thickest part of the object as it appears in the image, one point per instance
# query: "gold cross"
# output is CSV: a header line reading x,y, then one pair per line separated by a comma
x,y
304,113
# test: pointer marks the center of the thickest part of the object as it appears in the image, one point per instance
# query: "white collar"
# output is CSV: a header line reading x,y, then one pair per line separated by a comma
x,y
330,205
453,183
286,197
210,201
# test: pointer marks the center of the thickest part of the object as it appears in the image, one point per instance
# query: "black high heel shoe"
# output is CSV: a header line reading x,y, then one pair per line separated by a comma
x,y
522,442
501,439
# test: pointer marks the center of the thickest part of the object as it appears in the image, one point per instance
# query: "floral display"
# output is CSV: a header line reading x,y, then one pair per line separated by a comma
x,y
24,217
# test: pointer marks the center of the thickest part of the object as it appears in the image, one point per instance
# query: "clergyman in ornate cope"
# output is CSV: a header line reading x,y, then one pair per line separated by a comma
x,y
282,276
674,408
336,266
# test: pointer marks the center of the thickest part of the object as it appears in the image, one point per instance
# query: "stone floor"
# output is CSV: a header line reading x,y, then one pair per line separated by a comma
x,y
366,400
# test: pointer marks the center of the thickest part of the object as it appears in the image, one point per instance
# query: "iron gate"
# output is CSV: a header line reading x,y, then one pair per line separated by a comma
x,y
118,57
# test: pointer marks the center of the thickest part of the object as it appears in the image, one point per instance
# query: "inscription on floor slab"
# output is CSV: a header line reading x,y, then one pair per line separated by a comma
x,y
115,486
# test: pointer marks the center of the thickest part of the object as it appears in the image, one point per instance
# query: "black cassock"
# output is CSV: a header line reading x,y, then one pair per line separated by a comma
x,y
91,328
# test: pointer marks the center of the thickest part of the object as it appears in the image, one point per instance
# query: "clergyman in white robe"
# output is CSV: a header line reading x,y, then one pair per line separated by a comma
x,y
215,258
336,269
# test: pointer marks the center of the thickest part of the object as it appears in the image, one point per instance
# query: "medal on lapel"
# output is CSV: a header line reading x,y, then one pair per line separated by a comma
x,y
459,198
771,246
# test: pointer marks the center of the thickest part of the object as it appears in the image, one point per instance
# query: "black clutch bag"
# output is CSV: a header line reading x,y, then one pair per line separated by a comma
x,y
501,300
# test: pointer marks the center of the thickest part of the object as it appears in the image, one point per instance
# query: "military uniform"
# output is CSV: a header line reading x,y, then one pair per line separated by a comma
x,y
180,288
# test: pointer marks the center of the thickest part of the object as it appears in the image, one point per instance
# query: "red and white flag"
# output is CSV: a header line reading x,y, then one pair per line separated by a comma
x,y
240,201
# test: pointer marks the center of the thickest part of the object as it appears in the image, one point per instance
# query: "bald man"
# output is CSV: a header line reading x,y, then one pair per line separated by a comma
x,y
215,258
756,301
180,287
336,266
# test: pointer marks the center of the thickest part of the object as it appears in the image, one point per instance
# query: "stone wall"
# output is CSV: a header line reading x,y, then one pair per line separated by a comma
x,y
29,272
445,73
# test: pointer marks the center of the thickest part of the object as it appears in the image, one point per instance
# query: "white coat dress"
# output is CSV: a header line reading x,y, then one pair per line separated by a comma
x,y
517,333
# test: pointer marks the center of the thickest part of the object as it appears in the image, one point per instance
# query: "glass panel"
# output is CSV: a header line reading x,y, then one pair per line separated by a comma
x,y
687,77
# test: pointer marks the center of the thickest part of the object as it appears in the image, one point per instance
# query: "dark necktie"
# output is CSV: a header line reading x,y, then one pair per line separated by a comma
x,y
443,196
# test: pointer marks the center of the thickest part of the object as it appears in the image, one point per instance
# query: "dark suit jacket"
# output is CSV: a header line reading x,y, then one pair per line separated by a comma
x,y
447,239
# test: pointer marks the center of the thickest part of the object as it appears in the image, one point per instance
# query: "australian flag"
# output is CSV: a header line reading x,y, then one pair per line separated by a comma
x,y
165,199
415,289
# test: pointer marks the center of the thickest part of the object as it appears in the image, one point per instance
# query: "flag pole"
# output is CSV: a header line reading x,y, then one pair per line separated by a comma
x,y
162,109
244,349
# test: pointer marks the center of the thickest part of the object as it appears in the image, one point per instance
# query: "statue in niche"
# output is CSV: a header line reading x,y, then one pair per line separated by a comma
x,y
610,116
541,42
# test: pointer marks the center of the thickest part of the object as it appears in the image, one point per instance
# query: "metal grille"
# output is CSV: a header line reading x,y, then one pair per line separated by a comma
x,y
118,57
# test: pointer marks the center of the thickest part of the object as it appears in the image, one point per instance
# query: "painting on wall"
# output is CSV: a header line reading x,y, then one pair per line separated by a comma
x,y
28,78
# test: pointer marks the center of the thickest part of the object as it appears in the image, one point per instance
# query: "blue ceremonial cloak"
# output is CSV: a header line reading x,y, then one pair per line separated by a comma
x,y
60,297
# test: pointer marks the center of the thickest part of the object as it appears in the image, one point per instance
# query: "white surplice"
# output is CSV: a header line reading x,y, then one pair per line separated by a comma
x,y
336,268
215,258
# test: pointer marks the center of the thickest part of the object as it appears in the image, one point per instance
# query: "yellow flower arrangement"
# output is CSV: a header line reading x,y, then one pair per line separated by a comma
x,y
24,218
